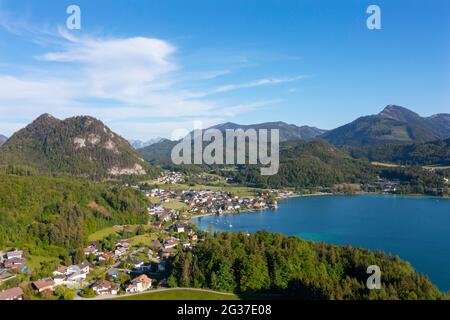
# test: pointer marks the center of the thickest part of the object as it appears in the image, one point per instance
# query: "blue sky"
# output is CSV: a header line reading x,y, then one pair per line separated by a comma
x,y
147,68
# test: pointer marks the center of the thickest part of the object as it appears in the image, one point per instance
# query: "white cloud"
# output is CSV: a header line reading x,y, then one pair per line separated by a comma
x,y
117,79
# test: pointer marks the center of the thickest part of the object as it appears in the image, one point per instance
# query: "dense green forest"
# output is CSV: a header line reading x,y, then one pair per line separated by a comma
x,y
49,216
309,164
430,153
272,263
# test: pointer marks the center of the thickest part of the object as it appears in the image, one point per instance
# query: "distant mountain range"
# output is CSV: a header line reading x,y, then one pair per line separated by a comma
x,y
394,125
2,139
138,144
81,146
84,146
288,132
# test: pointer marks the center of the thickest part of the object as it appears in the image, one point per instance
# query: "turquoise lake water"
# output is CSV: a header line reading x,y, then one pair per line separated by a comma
x,y
415,228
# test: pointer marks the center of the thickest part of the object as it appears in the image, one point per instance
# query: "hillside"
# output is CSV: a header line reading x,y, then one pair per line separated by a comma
x,y
266,262
429,153
48,216
309,164
394,125
158,153
81,146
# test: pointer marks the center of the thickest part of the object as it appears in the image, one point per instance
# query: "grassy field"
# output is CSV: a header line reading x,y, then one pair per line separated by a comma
x,y
145,239
175,204
184,294
34,262
384,164
103,233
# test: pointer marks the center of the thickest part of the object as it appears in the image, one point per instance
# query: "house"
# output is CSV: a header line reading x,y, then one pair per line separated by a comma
x,y
61,271
12,294
14,254
105,287
139,284
106,256
90,250
59,279
179,228
84,267
14,263
170,243
120,251
44,285
136,263
123,244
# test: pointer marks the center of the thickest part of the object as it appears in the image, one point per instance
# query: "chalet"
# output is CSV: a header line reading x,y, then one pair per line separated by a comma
x,y
14,254
44,285
90,250
106,256
139,284
84,267
12,294
61,271
105,287
180,228
120,251
14,263
170,243
123,244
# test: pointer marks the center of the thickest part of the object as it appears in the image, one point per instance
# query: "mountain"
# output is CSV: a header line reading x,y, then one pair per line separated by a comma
x,y
81,146
288,132
394,125
159,153
2,139
138,144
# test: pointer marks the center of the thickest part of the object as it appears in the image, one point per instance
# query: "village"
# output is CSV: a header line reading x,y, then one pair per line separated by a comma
x,y
114,266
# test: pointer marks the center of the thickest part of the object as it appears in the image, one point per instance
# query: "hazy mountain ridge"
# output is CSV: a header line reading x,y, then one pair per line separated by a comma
x,y
138,144
288,132
81,146
2,139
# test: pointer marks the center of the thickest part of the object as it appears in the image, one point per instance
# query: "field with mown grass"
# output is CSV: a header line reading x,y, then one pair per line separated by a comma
x,y
180,294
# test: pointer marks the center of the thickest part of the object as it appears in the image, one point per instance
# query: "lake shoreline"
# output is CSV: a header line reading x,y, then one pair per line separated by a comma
x,y
323,194
413,227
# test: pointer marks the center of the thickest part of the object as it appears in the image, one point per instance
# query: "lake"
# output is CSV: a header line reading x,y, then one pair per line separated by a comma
x,y
415,228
